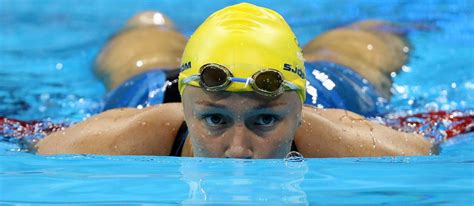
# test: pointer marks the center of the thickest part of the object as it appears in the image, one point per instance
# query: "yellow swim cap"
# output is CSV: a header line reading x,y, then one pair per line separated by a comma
x,y
245,39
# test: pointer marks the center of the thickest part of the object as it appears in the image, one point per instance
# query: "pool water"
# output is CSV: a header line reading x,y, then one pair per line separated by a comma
x,y
46,51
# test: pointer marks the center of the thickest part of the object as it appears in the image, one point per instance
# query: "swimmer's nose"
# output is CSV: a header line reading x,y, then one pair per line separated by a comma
x,y
239,146
238,152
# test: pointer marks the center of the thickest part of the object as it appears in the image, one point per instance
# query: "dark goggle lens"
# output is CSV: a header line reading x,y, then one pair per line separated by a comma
x,y
213,76
269,81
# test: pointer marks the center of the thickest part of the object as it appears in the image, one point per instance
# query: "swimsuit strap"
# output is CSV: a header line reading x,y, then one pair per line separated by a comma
x,y
293,146
179,140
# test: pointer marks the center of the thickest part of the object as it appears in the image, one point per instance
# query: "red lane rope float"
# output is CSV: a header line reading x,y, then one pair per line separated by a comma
x,y
12,128
440,125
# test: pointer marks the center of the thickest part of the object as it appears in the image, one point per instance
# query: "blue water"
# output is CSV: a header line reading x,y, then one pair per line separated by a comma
x,y
46,52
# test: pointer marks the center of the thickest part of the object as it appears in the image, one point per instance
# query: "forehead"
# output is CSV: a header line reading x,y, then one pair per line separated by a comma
x,y
193,95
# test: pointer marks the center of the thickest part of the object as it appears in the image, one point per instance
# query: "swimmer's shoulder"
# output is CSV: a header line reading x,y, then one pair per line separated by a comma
x,y
341,133
124,131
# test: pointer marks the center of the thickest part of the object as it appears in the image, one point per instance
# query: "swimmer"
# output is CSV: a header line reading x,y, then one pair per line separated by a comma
x,y
349,67
243,86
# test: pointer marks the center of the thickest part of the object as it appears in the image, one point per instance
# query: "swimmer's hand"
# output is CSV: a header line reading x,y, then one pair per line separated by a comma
x,y
340,133
126,131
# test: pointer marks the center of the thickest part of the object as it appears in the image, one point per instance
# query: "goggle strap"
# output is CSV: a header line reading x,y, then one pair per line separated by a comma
x,y
191,78
290,85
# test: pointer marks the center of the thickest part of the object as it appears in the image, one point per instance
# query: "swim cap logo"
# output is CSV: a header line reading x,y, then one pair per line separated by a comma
x,y
185,66
298,71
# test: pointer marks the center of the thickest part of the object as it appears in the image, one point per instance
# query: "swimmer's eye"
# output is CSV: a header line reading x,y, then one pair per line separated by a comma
x,y
214,120
266,120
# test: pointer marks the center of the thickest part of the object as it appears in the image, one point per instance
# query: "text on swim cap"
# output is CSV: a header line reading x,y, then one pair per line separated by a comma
x,y
298,71
185,66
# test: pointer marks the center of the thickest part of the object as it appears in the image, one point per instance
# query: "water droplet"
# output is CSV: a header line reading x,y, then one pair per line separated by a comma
x,y
406,68
406,49
59,66
294,159
294,156
370,47
139,63
373,140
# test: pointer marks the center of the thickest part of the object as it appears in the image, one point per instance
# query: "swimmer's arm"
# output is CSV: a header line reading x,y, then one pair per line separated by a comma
x,y
149,131
340,133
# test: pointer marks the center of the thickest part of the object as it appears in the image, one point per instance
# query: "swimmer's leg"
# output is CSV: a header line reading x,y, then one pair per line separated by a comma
x,y
148,41
372,48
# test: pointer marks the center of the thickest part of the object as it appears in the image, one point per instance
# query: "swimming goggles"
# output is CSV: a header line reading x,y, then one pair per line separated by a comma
x,y
268,82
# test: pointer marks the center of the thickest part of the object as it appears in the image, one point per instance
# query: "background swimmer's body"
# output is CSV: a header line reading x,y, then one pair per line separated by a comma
x,y
148,41
323,133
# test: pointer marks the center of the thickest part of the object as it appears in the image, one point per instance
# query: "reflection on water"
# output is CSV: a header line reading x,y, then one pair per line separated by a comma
x,y
90,179
243,181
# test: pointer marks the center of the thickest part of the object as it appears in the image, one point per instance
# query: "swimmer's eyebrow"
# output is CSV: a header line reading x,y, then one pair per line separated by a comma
x,y
271,104
210,104
262,106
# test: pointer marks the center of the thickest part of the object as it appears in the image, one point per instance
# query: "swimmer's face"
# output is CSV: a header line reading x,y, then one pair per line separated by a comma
x,y
241,125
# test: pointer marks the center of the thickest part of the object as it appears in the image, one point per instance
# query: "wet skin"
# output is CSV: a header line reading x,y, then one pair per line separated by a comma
x,y
237,125
241,125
